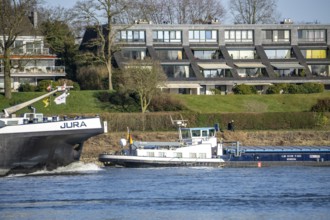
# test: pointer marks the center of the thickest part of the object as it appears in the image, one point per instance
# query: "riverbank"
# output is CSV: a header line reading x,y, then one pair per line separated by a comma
x,y
110,142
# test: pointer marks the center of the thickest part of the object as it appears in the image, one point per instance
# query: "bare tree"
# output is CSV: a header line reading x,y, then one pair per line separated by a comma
x,y
177,11
13,20
254,11
144,77
99,15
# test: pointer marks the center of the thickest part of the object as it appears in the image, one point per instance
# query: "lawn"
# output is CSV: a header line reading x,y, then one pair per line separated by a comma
x,y
77,102
81,102
251,103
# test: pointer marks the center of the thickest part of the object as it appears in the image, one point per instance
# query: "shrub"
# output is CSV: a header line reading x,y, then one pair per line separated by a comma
x,y
165,102
26,87
69,83
244,89
43,85
295,89
292,89
313,87
322,105
120,101
103,96
215,91
92,78
276,89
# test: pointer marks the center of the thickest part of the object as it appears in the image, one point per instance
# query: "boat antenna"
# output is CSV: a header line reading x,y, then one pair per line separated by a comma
x,y
179,124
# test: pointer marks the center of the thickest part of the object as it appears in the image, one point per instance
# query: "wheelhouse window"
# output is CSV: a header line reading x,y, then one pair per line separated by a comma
x,y
311,35
185,133
270,36
195,133
167,36
279,53
314,54
172,54
131,36
178,154
199,36
239,36
242,54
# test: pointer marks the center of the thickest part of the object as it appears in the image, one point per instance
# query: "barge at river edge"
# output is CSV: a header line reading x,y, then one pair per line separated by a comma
x,y
33,142
200,147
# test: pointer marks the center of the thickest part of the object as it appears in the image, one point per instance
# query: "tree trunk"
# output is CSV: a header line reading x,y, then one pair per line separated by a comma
x,y
110,75
109,41
7,77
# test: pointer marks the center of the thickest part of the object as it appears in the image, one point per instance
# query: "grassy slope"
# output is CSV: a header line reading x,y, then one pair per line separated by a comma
x,y
252,103
85,102
77,102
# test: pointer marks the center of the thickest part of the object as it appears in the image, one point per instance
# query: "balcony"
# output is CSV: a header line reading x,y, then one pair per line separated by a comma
x,y
38,71
22,51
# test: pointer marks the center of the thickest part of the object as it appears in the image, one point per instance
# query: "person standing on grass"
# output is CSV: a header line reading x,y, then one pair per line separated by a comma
x,y
231,126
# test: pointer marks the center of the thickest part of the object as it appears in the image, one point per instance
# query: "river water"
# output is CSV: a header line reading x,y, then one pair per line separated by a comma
x,y
85,191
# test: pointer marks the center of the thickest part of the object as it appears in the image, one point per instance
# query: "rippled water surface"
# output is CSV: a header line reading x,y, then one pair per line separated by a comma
x,y
88,192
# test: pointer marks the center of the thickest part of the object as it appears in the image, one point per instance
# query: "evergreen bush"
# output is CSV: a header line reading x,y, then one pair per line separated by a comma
x,y
244,89
26,87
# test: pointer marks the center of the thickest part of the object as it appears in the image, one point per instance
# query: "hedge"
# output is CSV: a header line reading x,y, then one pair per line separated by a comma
x,y
243,121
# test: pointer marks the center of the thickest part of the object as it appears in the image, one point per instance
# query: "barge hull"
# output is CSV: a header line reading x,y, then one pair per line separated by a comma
x,y
140,162
31,151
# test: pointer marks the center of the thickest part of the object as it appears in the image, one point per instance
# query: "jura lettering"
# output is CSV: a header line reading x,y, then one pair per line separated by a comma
x,y
75,124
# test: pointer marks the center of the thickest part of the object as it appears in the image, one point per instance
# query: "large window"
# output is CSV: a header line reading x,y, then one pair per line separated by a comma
x,y
245,36
207,54
203,36
134,54
242,54
276,35
278,54
18,47
311,35
167,36
216,73
251,72
319,70
171,54
314,54
33,47
176,71
131,36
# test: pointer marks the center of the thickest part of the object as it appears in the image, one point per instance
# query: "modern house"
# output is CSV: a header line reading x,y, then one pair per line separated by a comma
x,y
198,58
31,60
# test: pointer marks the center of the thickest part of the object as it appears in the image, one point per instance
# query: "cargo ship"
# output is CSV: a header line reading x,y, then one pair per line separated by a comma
x,y
33,142
200,147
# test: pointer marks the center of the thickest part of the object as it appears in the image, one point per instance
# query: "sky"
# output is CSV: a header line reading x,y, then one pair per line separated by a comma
x,y
298,10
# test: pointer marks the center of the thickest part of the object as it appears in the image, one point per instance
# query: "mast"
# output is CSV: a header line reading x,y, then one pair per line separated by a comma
x,y
15,108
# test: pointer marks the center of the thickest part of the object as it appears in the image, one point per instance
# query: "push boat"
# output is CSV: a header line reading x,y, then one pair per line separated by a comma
x,y
32,141
201,147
